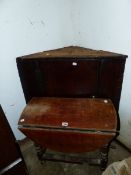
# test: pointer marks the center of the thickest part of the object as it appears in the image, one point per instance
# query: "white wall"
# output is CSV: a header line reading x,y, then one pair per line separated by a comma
x,y
32,26
28,27
106,25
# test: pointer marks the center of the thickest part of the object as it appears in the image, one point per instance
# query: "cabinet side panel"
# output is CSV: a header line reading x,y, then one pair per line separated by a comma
x,y
111,78
28,76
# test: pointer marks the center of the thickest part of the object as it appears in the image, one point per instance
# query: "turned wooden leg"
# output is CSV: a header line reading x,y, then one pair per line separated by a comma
x,y
104,157
40,151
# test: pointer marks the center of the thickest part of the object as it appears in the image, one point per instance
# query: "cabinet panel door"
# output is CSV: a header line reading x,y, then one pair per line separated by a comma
x,y
63,77
111,77
69,78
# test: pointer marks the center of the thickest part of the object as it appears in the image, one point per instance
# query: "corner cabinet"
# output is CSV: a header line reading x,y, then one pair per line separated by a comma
x,y
68,91
72,72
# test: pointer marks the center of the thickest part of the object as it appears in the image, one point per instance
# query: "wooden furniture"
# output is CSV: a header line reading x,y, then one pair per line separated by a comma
x,y
11,161
72,72
76,73
69,124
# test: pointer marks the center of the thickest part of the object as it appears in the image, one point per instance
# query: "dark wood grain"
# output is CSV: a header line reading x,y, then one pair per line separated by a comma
x,y
62,79
66,141
80,113
92,123
111,78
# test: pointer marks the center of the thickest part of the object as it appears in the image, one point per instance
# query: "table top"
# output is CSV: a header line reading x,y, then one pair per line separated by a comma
x,y
93,114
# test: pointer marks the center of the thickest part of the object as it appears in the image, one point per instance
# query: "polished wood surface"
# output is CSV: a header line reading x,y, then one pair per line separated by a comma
x,y
80,113
68,141
91,123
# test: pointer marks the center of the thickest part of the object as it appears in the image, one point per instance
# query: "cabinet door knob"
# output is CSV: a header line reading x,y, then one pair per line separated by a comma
x,y
65,124
74,63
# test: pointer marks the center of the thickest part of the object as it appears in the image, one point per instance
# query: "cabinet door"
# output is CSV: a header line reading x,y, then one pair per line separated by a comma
x,y
111,77
69,77
60,77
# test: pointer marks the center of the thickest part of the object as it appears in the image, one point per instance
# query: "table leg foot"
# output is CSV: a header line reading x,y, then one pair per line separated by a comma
x,y
40,151
104,157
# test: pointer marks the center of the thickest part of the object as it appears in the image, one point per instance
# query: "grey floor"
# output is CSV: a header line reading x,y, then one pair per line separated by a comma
x,y
55,168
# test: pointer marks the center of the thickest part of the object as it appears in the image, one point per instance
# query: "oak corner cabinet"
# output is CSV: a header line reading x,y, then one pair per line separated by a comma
x,y
82,81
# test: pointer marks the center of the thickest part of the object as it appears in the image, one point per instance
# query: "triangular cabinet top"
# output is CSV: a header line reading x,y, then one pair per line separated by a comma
x,y
72,52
